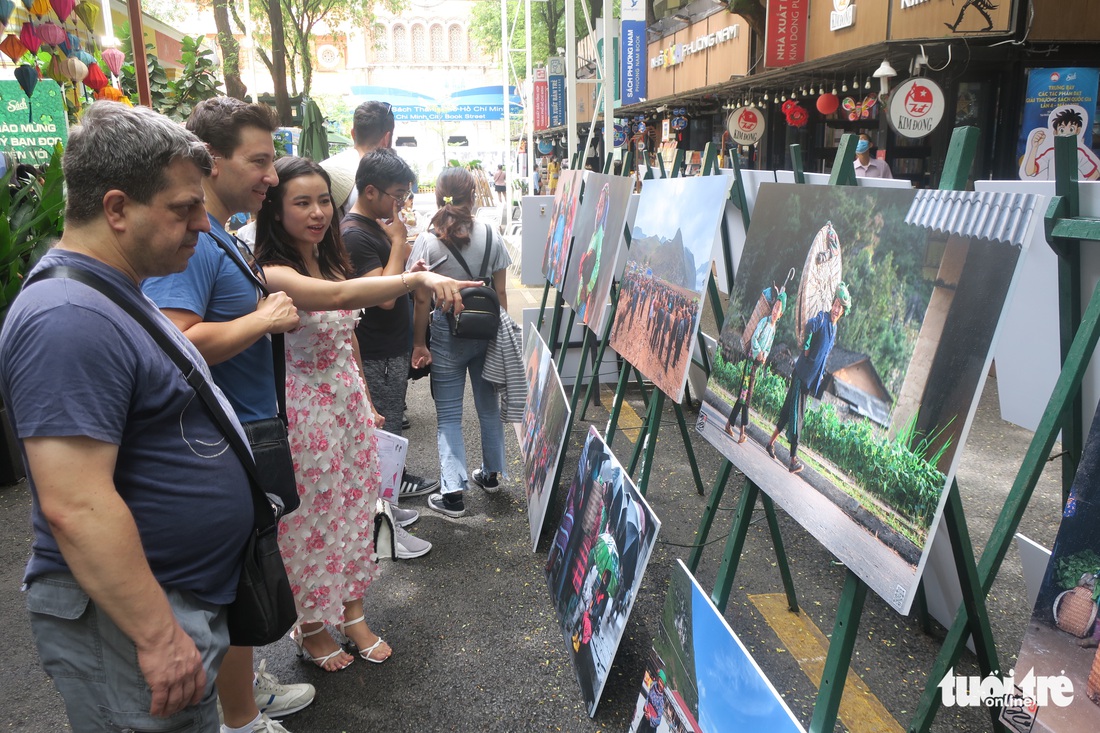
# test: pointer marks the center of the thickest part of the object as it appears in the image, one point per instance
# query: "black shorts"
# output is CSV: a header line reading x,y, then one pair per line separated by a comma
x,y
500,189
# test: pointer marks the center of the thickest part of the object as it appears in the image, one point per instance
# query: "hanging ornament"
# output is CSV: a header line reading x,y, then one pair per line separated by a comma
x,y
27,76
860,110
75,69
12,47
827,104
63,8
788,105
89,13
39,7
84,56
113,58
28,4
56,69
52,33
29,38
95,79
7,7
798,117
113,94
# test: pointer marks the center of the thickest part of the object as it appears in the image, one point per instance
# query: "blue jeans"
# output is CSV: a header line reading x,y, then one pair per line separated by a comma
x,y
451,359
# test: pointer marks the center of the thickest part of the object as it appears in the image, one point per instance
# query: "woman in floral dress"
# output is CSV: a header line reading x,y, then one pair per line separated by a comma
x,y
327,545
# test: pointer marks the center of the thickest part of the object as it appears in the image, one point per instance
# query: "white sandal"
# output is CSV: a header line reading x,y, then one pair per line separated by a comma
x,y
299,638
364,653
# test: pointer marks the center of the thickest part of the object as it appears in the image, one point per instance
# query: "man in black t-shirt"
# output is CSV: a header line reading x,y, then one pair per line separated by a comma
x,y
375,238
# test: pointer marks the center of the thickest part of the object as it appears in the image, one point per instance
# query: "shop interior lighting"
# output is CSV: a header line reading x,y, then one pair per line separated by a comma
x,y
834,89
867,83
884,74
844,87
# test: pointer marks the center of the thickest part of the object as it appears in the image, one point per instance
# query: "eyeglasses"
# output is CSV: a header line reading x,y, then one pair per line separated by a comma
x,y
250,260
389,109
399,199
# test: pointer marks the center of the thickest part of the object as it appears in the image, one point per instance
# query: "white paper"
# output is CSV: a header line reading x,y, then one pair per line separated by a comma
x,y
392,451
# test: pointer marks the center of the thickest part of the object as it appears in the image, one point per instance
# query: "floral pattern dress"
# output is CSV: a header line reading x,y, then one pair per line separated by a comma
x,y
328,543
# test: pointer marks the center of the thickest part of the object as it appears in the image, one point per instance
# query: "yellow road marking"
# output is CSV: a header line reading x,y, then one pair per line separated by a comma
x,y
860,710
629,420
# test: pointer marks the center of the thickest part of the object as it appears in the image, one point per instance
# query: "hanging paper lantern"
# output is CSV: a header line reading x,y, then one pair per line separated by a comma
x,y
29,38
113,58
74,42
66,46
7,7
827,104
28,4
56,69
28,79
114,94
63,8
95,79
39,7
89,13
75,69
52,33
84,56
12,47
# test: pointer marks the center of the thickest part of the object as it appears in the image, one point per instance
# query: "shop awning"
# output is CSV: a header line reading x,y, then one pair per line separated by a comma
x,y
1001,217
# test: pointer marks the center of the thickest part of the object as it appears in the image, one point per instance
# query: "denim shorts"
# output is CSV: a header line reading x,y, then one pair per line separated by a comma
x,y
95,666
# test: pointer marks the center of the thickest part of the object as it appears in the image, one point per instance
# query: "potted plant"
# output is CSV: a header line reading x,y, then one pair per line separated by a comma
x,y
31,220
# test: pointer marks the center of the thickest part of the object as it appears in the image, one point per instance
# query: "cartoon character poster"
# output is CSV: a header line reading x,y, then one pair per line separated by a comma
x,y
597,561
542,432
700,677
1059,102
858,336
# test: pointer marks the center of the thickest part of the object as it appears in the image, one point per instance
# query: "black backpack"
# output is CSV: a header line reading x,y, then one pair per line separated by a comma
x,y
480,316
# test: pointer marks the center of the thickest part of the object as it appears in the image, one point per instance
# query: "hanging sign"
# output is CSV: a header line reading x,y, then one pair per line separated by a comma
x,y
545,147
633,44
786,32
746,125
29,128
916,107
540,100
555,68
843,15
620,136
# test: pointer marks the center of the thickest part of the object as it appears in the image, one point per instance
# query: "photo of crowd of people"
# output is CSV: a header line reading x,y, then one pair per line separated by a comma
x,y
662,287
597,561
543,430
560,237
700,677
858,337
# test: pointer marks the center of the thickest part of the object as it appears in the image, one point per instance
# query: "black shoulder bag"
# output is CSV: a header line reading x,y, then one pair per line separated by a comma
x,y
480,316
268,437
263,610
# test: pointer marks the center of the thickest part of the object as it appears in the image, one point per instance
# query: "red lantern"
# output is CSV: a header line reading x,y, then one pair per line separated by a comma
x,y
827,103
95,79
797,116
29,38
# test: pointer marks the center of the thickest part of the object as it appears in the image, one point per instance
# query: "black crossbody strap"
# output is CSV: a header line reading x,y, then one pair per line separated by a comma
x,y
278,346
193,375
484,260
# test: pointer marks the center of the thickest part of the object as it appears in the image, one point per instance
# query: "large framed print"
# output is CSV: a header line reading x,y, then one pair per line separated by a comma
x,y
597,561
543,430
593,268
859,334
560,237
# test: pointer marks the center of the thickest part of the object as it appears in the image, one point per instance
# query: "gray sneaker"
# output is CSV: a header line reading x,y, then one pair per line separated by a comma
x,y
490,482
404,517
451,504
408,546
277,700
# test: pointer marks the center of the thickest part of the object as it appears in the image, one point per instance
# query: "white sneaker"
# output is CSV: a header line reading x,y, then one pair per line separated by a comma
x,y
408,546
263,725
404,517
276,700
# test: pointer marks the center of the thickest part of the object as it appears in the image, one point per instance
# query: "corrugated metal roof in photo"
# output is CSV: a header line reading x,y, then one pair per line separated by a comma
x,y
1002,217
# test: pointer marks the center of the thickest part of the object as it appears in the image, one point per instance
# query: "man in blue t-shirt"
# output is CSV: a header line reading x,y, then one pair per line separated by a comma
x,y
222,311
809,373
124,462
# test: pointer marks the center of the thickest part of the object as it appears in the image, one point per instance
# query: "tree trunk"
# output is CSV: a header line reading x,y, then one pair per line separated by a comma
x,y
231,51
278,59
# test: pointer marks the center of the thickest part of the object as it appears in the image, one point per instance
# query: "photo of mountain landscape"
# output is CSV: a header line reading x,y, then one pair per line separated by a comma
x,y
665,277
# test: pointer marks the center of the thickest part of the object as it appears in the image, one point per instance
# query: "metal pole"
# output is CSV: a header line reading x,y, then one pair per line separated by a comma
x,y
531,116
506,110
610,33
570,80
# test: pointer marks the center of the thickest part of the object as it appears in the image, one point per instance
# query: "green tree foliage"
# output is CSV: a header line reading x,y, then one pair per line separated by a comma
x,y
547,22
197,81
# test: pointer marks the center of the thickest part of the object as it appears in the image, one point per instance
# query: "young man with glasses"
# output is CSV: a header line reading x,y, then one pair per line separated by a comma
x,y
376,240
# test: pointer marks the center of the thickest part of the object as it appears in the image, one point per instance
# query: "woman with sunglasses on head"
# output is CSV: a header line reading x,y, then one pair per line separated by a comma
x,y
454,237
327,545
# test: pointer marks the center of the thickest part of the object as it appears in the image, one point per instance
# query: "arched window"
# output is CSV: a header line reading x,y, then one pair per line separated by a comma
x,y
400,43
439,51
420,45
454,43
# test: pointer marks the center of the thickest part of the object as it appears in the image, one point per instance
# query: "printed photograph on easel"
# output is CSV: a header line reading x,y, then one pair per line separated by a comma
x,y
542,432
1061,641
592,270
700,677
597,561
665,278
556,255
856,343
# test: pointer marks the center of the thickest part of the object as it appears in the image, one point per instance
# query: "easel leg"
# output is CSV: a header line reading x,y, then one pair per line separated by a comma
x,y
651,441
555,324
709,512
640,381
687,448
542,305
594,386
731,557
617,404
566,336
649,426
839,659
585,348
780,552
